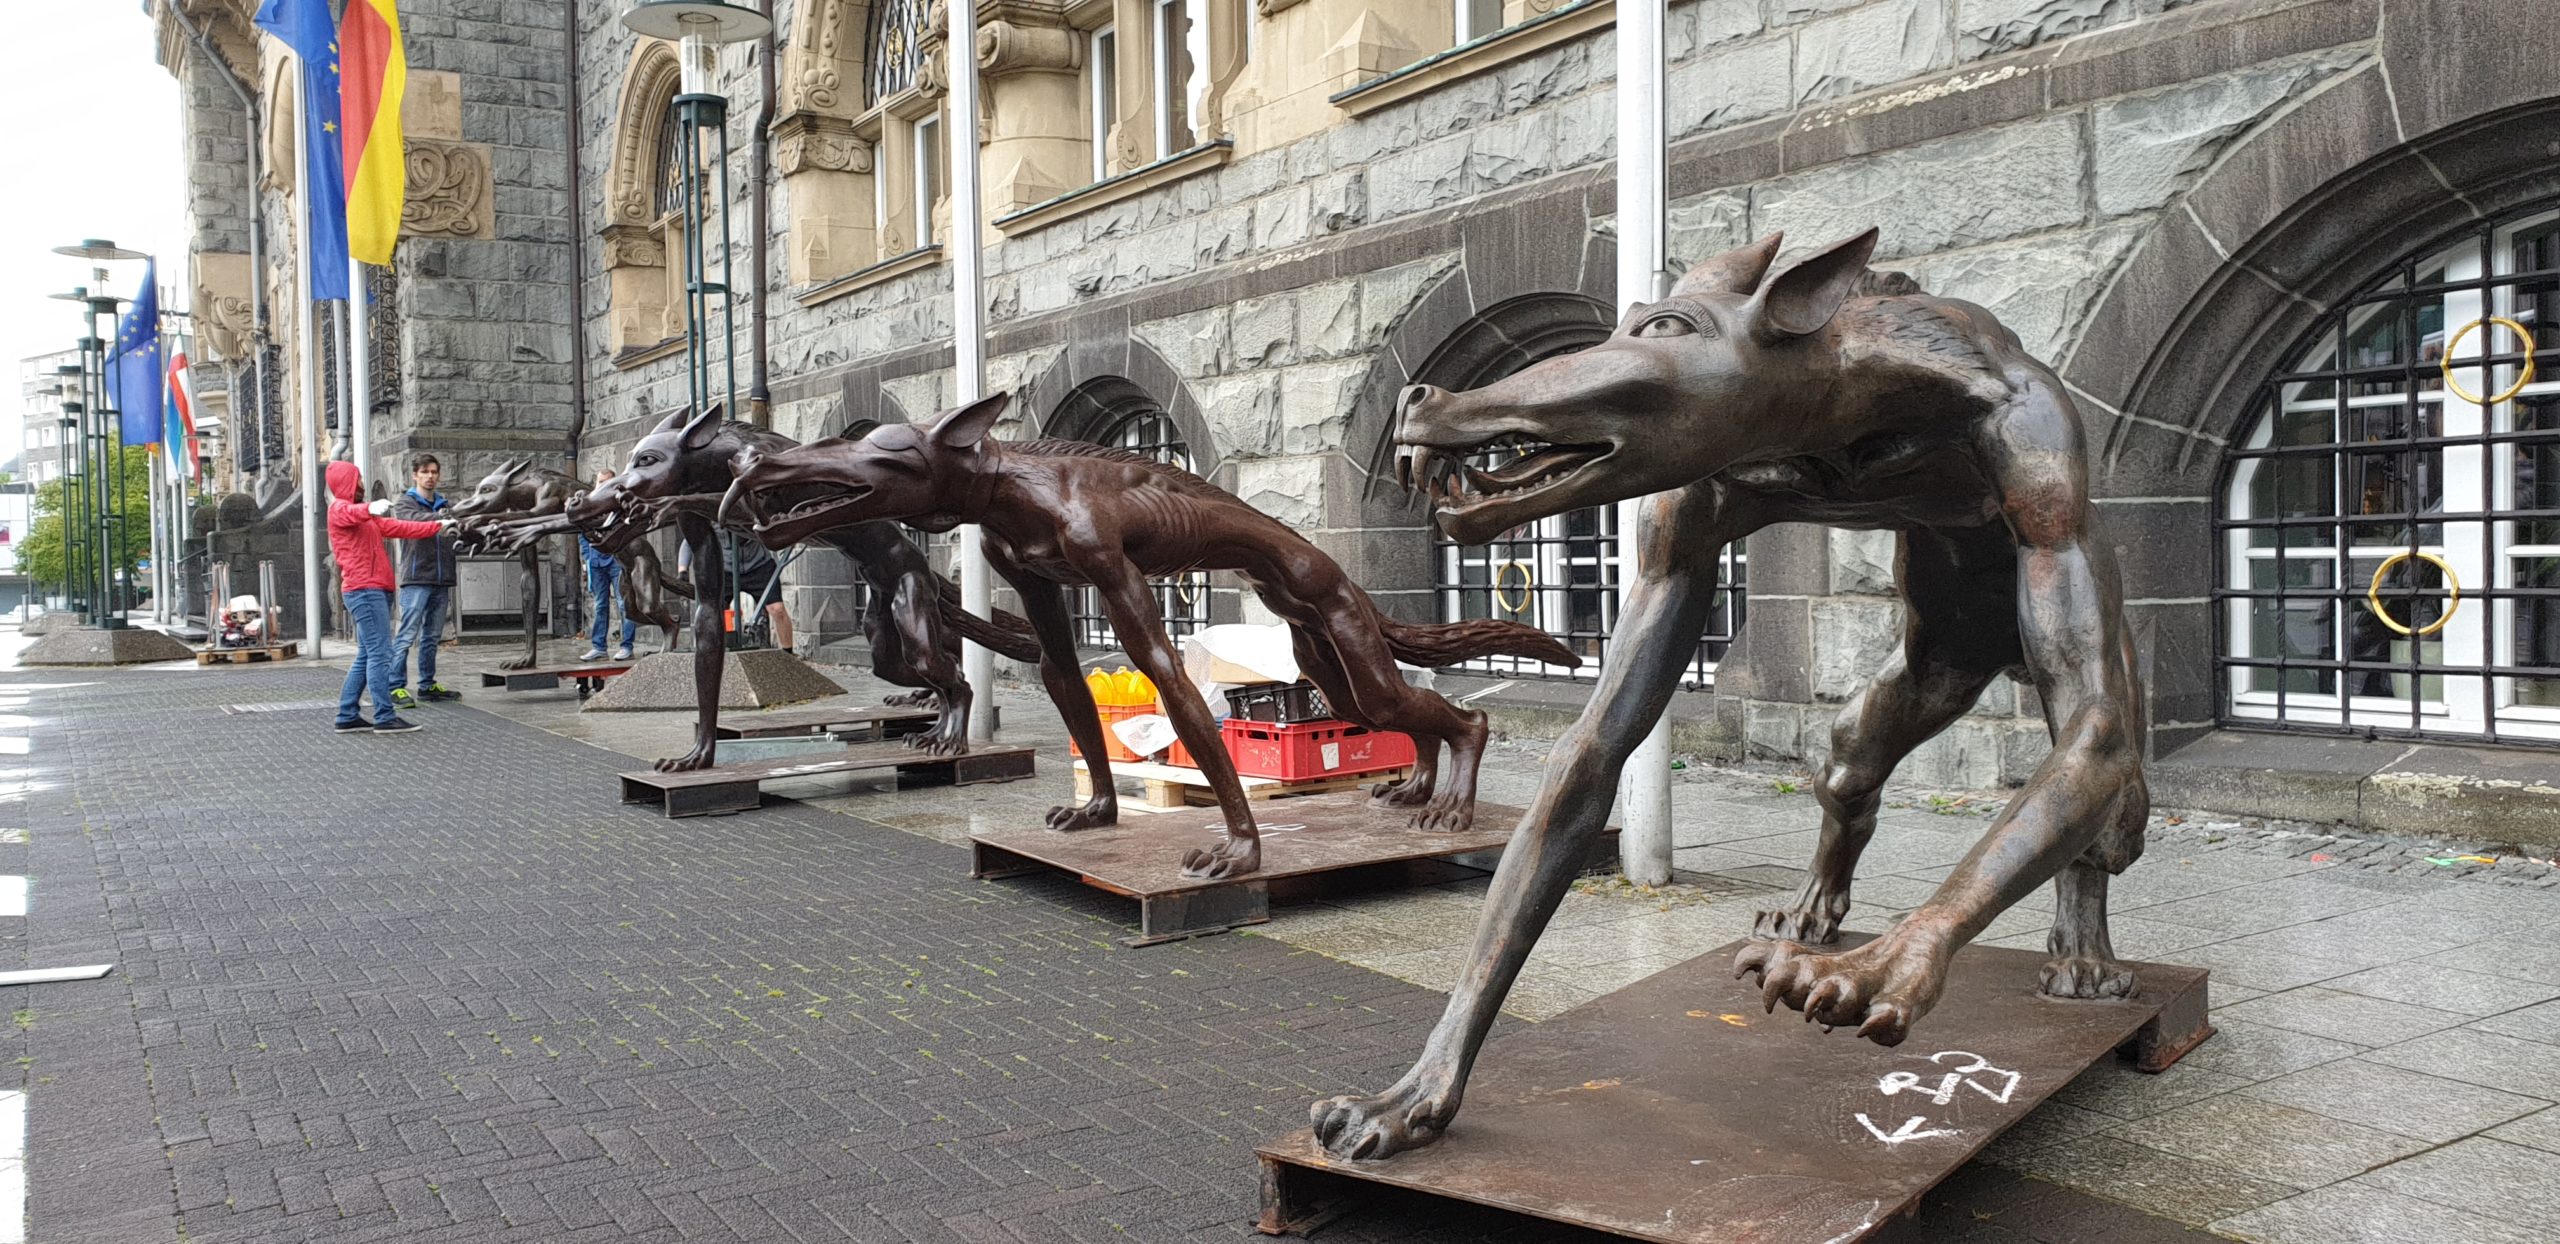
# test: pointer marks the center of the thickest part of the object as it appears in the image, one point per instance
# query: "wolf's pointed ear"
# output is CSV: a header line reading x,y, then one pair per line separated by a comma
x,y
674,420
966,427
1737,271
1803,298
699,433
512,469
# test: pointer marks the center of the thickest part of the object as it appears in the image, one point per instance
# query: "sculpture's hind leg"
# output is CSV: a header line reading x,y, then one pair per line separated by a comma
x,y
915,649
1316,662
1952,647
1348,646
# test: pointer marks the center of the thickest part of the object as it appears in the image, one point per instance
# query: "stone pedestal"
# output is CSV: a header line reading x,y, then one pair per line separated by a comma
x,y
92,646
761,678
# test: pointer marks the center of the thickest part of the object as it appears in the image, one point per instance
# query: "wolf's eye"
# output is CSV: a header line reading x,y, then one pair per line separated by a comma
x,y
1669,324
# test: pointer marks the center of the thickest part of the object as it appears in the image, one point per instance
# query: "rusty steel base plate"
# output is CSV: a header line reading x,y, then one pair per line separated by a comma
x,y
1313,846
1677,1110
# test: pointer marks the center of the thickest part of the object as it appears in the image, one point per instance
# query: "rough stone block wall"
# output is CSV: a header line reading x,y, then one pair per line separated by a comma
x,y
2033,217
216,125
485,321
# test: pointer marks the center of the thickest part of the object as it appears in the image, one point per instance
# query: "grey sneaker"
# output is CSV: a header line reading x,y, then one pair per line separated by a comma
x,y
394,725
622,653
592,654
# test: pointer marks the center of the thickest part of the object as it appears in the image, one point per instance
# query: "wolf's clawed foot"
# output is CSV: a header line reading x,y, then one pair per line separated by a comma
x,y
1233,857
1100,810
1882,987
1814,919
2087,978
1445,816
699,758
1404,792
1404,1117
910,699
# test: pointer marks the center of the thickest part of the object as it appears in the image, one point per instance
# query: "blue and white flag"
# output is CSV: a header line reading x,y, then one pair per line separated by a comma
x,y
138,366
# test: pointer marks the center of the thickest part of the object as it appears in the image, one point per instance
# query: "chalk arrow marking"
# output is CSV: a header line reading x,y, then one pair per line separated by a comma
x,y
1911,1129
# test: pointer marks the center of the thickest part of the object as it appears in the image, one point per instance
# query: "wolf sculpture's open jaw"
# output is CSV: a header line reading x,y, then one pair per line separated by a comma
x,y
1468,497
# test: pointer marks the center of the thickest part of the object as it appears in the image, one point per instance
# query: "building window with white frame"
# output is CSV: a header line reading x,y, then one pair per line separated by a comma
x,y
1102,97
928,179
1176,75
2390,521
1474,19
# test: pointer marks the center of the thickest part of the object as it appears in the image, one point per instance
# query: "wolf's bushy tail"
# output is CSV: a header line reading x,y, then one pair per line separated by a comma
x,y
1439,644
1010,637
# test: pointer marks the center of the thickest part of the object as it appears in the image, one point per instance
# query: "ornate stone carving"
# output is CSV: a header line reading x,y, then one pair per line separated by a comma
x,y
824,57
1015,47
633,246
449,191
640,113
806,141
222,288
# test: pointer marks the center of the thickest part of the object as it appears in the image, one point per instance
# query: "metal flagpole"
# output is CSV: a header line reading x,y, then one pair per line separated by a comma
x,y
1644,787
315,489
360,368
968,340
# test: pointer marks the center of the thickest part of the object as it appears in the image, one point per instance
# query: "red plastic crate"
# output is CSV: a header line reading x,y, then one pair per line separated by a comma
x,y
1313,749
1112,747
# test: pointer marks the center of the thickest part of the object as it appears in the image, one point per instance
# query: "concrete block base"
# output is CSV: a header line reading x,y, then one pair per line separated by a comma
x,y
762,678
91,646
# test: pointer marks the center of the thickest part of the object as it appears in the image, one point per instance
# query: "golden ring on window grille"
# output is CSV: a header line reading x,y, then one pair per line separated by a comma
x,y
1528,581
2523,378
1188,587
2453,597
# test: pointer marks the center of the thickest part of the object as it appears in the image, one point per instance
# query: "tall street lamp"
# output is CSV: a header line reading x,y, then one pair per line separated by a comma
x,y
699,28
105,487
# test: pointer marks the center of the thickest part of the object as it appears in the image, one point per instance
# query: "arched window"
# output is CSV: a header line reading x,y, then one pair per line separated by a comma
x,y
2390,523
1116,412
1561,573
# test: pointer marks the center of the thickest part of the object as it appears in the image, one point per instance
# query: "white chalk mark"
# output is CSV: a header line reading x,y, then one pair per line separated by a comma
x,y
1913,1128
1897,1082
41,976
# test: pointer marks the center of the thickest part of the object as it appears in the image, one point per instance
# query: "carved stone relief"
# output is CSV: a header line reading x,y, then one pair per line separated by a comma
x,y
449,191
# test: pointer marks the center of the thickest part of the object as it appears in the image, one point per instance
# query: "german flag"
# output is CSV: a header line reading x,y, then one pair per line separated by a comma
x,y
374,74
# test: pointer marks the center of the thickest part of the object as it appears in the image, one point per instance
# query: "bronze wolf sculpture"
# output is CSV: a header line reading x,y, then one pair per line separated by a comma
x,y
1824,394
1064,512
915,623
516,492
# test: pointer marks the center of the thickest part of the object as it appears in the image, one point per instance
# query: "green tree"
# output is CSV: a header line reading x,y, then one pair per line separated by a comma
x,y
41,553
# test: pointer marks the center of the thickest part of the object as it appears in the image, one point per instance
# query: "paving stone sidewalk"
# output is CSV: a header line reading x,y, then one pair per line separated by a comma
x,y
439,987
2389,1008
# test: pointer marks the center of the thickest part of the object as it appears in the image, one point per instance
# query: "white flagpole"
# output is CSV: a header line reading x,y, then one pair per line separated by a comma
x,y
315,487
360,368
968,339
1644,787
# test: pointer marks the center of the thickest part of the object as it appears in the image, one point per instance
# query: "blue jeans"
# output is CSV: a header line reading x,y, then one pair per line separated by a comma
x,y
422,608
370,609
604,583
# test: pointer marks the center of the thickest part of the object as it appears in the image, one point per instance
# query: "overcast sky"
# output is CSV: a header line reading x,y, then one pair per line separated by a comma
x,y
119,175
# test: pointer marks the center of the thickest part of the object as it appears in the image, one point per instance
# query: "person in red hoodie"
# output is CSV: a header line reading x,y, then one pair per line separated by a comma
x,y
356,531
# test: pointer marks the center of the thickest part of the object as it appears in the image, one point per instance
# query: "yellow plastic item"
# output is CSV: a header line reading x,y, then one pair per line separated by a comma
x,y
1135,688
1103,689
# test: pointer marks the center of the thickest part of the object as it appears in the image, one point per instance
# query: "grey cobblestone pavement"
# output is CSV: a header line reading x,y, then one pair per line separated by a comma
x,y
440,987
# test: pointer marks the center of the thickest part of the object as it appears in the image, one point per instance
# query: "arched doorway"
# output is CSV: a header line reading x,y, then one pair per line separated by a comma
x,y
1561,573
2389,521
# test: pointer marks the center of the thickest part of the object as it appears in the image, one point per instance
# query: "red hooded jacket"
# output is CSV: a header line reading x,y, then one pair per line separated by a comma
x,y
355,535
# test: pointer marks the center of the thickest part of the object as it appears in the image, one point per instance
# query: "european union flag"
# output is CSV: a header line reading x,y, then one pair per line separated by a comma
x,y
306,27
138,366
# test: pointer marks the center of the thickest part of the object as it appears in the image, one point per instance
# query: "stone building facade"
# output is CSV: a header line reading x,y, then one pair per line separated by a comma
x,y
470,328
1229,231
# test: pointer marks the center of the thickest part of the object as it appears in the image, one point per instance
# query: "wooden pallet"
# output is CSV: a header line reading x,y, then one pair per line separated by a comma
x,y
246,656
1173,786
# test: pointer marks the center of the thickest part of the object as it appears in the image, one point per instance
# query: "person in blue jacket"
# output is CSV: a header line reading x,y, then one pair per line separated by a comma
x,y
604,585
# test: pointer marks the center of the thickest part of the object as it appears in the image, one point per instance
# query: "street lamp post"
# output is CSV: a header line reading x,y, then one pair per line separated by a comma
x,y
106,486
699,28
